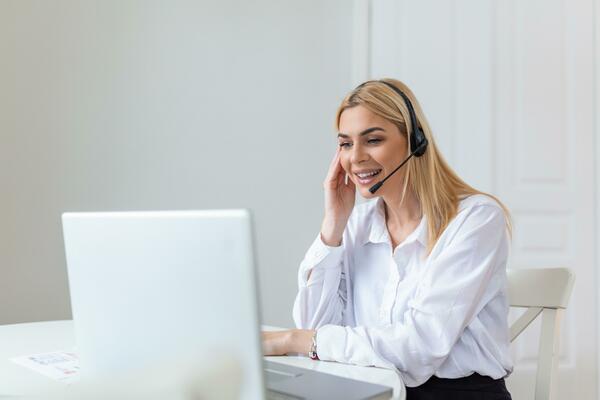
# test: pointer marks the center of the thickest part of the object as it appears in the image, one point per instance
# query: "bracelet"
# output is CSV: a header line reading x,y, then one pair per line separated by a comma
x,y
313,347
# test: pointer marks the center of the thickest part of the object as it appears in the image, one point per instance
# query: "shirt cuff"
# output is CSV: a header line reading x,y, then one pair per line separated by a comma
x,y
342,344
322,256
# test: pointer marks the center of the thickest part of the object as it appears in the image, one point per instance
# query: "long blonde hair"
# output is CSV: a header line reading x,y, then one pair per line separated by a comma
x,y
437,187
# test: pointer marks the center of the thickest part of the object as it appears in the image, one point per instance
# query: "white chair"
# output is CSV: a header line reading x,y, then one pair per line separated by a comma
x,y
547,292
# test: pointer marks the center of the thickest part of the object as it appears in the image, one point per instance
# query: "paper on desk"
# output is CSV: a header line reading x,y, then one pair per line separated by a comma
x,y
59,365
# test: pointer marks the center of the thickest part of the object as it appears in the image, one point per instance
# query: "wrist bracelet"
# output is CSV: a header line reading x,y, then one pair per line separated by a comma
x,y
313,347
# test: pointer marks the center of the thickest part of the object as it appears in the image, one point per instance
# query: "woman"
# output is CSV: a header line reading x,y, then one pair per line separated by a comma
x,y
413,279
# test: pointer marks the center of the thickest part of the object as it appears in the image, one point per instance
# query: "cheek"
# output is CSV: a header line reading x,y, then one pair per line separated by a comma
x,y
345,162
390,155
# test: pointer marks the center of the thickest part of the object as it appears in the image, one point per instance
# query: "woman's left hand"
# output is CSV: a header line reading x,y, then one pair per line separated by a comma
x,y
279,343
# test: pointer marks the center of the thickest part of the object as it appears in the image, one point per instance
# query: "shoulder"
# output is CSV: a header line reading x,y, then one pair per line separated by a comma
x,y
478,210
480,204
479,223
478,200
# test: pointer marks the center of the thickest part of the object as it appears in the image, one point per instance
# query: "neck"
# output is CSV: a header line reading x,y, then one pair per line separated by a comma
x,y
402,213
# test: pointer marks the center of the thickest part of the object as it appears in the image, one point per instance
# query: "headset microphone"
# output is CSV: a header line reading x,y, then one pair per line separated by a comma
x,y
418,141
376,186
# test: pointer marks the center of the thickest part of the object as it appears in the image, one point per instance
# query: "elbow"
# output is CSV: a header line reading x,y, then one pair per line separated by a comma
x,y
427,357
428,364
308,315
421,369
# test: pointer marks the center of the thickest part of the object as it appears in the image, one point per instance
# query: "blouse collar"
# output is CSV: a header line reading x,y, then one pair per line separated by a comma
x,y
377,231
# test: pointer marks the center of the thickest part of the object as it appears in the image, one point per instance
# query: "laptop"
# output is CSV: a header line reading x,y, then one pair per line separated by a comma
x,y
147,287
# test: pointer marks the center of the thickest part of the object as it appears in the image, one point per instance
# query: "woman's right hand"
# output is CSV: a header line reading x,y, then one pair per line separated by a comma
x,y
339,202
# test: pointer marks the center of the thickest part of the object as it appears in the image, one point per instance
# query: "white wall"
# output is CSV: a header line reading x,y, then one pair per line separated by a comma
x,y
130,105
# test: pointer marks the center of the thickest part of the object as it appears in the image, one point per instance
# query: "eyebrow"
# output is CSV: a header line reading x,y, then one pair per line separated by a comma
x,y
366,131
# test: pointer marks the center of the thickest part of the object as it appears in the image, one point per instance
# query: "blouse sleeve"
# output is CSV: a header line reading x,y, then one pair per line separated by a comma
x,y
321,294
457,284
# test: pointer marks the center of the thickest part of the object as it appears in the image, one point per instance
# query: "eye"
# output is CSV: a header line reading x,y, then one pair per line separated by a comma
x,y
345,144
373,141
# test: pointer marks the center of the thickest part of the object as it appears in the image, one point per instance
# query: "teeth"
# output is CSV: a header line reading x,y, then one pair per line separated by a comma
x,y
367,174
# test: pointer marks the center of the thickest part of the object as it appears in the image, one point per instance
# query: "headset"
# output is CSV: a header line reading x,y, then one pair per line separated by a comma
x,y
417,139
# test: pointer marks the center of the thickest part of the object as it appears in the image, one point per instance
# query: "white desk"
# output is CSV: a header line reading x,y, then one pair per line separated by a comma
x,y
40,337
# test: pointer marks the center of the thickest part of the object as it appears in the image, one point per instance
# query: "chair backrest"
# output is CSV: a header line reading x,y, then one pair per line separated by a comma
x,y
543,291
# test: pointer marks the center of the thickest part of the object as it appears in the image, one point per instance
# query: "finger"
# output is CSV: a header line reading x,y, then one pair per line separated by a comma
x,y
335,169
351,185
348,182
340,178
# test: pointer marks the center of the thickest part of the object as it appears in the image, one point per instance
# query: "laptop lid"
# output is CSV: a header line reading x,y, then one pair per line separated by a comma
x,y
153,286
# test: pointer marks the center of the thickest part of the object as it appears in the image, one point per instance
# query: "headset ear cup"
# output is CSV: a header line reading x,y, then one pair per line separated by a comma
x,y
418,142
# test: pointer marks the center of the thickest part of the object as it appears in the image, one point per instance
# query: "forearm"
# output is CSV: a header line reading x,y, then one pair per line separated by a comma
x,y
300,340
332,232
279,343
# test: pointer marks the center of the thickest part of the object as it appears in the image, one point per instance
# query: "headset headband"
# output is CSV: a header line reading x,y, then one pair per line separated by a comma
x,y
418,141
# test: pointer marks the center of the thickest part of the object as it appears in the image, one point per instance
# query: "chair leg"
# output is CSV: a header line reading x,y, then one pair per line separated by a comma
x,y
545,383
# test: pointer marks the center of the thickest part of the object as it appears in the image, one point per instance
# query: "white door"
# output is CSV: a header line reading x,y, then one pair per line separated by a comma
x,y
508,88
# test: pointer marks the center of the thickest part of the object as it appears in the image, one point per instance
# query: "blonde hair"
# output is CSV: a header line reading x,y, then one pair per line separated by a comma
x,y
437,187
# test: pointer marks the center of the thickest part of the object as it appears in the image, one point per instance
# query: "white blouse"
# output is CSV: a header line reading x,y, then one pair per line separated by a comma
x,y
444,314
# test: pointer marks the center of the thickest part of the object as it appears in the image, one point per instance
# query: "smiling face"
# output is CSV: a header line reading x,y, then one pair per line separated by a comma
x,y
371,147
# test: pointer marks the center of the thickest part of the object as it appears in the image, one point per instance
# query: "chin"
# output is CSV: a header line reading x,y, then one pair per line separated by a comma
x,y
364,193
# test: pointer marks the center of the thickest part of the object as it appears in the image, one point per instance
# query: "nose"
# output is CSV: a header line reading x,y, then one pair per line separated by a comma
x,y
359,154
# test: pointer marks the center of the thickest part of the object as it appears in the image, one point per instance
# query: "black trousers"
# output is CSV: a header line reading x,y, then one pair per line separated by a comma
x,y
474,387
